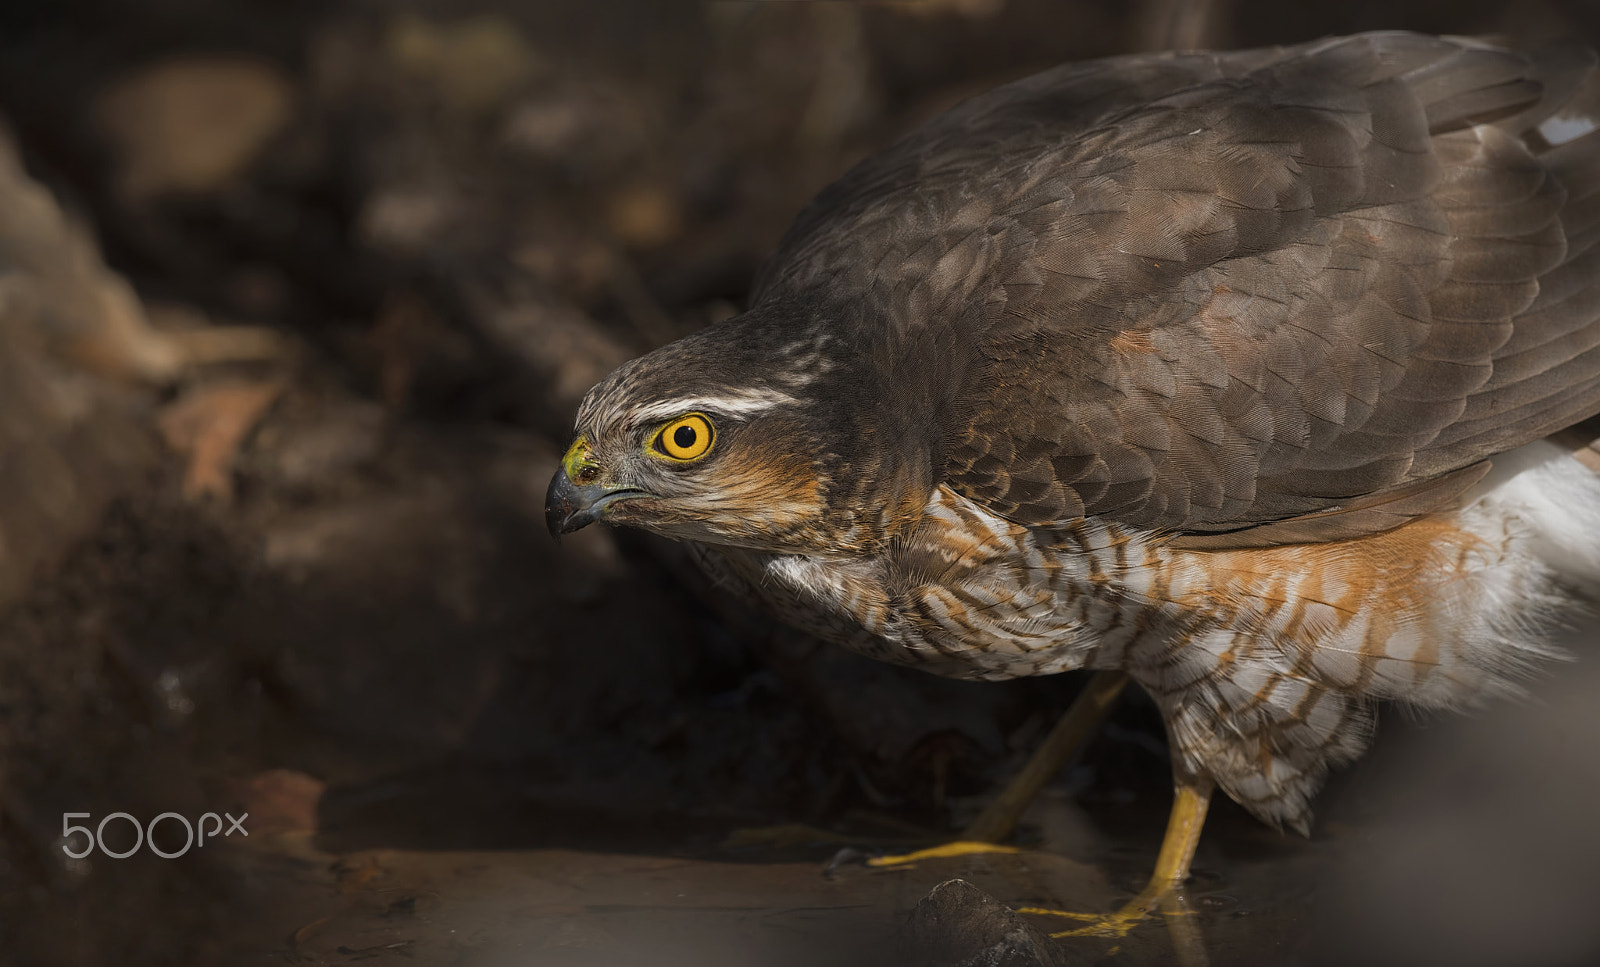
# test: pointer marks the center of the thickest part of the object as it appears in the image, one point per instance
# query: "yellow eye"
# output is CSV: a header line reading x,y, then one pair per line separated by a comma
x,y
688,437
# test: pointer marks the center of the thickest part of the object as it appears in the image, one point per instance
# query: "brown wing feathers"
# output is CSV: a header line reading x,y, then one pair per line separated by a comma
x,y
1202,293
1339,289
1546,374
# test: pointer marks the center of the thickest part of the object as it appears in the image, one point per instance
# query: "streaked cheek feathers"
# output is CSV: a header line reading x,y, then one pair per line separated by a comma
x,y
744,494
764,490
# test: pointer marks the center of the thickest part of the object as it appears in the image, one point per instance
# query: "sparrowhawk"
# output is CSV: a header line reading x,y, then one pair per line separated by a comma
x,y
1235,372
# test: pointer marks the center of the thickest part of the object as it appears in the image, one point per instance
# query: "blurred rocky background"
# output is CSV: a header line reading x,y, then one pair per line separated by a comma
x,y
297,301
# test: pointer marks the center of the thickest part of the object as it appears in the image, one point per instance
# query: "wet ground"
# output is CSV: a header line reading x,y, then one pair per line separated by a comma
x,y
271,538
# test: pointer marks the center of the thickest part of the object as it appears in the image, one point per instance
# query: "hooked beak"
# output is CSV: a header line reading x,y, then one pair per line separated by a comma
x,y
568,505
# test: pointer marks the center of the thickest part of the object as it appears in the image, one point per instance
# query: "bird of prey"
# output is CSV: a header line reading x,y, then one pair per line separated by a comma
x,y
1242,374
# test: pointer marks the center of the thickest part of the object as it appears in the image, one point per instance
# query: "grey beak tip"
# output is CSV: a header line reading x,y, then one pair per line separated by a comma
x,y
569,507
558,505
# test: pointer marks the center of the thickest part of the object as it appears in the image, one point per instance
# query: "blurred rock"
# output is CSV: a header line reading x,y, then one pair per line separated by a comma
x,y
59,291
959,925
644,216
843,97
187,339
411,348
476,62
408,218
192,124
320,441
564,350
344,566
581,123
209,424
69,440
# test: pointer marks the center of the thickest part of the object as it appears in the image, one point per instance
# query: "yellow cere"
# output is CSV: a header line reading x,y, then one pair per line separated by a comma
x,y
689,437
577,463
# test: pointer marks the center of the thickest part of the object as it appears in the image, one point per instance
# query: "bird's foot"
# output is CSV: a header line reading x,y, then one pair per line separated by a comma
x,y
1164,890
1168,902
942,851
852,856
1115,924
863,851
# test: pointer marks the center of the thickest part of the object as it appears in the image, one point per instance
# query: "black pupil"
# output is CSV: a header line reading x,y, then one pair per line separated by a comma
x,y
683,437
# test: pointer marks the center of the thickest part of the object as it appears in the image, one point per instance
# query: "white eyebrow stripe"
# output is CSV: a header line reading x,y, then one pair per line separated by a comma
x,y
743,403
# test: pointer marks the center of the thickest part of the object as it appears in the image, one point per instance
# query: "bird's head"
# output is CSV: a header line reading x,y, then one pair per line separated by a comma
x,y
713,438
754,433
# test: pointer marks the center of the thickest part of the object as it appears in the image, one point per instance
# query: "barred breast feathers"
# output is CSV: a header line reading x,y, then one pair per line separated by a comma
x,y
1457,608
1265,661
1434,612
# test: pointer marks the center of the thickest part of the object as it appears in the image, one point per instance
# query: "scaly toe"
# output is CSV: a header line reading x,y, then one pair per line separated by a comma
x,y
942,851
1114,925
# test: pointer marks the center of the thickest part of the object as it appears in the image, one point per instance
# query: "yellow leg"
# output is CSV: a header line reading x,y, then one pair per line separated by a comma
x,y
999,819
1172,868
1189,804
